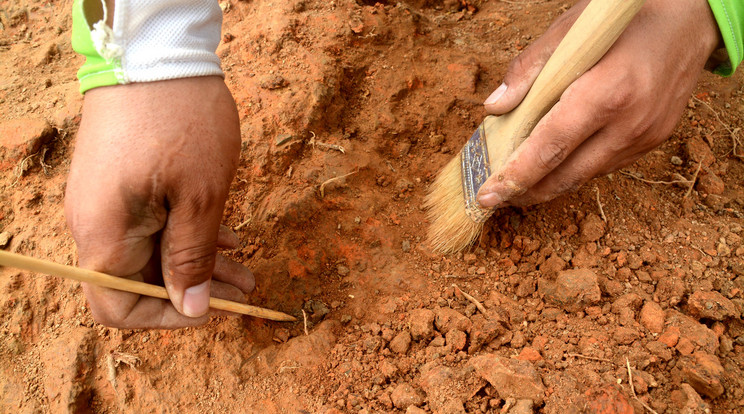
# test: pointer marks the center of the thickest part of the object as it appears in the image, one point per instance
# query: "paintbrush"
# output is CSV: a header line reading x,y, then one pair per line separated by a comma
x,y
456,217
101,279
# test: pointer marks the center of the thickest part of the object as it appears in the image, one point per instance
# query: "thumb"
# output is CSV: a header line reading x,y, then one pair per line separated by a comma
x,y
189,248
523,70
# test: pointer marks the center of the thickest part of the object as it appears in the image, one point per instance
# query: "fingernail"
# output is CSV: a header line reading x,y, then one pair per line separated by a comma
x,y
496,95
490,200
196,300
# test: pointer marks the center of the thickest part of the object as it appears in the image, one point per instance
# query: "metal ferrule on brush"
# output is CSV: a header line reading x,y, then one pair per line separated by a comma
x,y
476,168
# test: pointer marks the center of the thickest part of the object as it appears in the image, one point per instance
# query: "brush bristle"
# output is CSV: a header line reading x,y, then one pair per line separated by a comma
x,y
450,229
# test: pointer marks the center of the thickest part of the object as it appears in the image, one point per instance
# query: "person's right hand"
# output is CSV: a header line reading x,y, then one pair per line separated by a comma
x,y
623,107
148,183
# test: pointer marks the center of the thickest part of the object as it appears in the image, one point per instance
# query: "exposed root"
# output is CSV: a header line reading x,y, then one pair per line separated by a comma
x,y
481,308
304,320
694,179
326,182
599,204
325,145
643,180
243,224
632,389
733,132
591,358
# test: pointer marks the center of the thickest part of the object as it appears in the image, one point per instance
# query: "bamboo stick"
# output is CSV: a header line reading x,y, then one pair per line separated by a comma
x,y
101,279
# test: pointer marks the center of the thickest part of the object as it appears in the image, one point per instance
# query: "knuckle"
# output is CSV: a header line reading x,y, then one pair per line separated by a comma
x,y
620,98
552,154
570,184
192,263
109,317
105,319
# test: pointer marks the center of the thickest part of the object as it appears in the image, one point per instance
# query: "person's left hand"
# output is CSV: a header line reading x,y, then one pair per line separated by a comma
x,y
626,105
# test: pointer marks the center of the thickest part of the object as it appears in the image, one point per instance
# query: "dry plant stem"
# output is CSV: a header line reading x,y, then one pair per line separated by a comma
x,y
326,182
304,320
243,224
481,308
591,358
459,277
732,132
111,370
325,145
599,204
643,180
632,389
112,282
694,179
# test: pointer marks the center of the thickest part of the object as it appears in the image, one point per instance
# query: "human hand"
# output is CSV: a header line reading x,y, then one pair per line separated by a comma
x,y
623,107
148,183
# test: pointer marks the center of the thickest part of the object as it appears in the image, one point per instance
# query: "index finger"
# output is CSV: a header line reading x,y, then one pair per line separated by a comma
x,y
569,123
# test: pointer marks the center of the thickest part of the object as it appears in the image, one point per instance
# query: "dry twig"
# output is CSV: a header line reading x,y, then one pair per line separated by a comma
x,y
111,370
450,276
732,131
326,182
21,168
599,204
304,319
481,308
632,389
643,180
131,360
243,224
325,145
589,358
694,179
44,165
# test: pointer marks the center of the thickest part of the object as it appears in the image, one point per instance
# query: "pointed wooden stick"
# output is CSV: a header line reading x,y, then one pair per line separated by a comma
x,y
101,279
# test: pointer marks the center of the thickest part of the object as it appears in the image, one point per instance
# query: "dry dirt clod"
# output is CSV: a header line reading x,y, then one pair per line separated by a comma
x,y
710,183
711,305
421,323
404,396
608,399
592,228
704,372
445,387
5,238
448,319
693,403
22,137
523,407
511,378
573,290
400,343
652,317
271,82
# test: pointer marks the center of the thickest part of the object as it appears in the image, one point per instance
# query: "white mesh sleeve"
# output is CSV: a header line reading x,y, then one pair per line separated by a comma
x,y
166,39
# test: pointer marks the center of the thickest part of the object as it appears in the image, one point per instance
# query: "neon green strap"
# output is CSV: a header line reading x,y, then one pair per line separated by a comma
x,y
96,71
730,17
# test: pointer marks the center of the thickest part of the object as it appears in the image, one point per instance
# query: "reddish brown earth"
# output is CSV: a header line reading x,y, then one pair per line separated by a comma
x,y
571,298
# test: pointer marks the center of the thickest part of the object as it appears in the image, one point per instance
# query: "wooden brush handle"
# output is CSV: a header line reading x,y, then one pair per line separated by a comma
x,y
126,285
590,37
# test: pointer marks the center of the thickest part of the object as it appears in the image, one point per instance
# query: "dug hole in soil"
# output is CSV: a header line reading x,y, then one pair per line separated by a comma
x,y
633,275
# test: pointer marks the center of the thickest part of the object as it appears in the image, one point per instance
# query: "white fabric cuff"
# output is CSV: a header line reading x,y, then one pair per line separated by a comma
x,y
155,40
